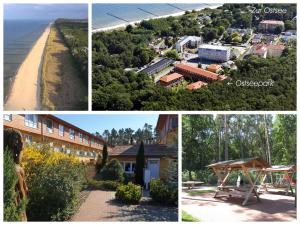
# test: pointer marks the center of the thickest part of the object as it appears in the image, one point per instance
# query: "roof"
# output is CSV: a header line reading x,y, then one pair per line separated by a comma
x,y
183,40
282,168
195,85
259,48
197,71
281,47
74,127
170,77
255,162
215,47
274,22
214,67
164,62
154,150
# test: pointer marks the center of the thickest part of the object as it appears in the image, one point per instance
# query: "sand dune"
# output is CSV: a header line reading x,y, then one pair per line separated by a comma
x,y
25,91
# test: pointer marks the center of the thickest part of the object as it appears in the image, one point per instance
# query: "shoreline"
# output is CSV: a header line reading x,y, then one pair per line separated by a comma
x,y
24,92
123,25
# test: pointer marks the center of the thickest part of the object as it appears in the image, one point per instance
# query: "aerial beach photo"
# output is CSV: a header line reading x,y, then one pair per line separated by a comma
x,y
45,57
194,56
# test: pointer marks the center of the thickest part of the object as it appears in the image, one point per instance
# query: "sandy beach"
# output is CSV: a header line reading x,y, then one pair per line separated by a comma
x,y
123,25
25,91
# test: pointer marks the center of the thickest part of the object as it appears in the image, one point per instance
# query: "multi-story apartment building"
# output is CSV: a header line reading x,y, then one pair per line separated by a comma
x,y
214,53
59,134
270,25
188,41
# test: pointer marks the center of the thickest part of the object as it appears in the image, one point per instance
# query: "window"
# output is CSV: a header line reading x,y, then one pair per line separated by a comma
x,y
49,126
174,122
129,167
31,120
72,134
61,130
28,138
86,139
7,117
80,137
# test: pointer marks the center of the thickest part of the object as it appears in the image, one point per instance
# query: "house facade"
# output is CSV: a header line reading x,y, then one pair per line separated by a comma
x,y
171,80
214,53
188,42
158,156
59,134
270,25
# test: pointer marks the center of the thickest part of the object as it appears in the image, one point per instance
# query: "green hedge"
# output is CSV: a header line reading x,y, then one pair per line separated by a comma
x,y
129,193
163,193
104,185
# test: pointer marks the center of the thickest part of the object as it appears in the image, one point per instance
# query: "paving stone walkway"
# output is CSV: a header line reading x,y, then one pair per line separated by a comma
x,y
102,206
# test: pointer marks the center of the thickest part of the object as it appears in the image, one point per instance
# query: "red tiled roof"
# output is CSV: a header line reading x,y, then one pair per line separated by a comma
x,y
275,22
196,85
214,67
260,48
197,71
276,46
170,77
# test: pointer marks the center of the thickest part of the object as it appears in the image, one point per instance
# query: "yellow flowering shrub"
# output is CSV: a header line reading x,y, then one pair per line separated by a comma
x,y
54,182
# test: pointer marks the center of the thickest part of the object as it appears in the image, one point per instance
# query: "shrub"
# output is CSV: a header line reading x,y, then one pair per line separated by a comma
x,y
54,182
129,177
12,211
112,171
129,193
104,185
163,193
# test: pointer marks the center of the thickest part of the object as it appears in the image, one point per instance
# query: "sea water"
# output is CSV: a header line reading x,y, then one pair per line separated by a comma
x,y
135,12
19,37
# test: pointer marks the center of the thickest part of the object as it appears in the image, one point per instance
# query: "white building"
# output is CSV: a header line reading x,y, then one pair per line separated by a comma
x,y
188,41
275,50
214,53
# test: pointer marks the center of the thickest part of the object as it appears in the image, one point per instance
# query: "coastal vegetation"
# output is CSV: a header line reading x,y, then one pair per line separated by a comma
x,y
65,66
118,54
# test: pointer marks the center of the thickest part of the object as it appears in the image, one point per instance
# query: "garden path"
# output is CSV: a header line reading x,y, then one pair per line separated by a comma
x,y
102,206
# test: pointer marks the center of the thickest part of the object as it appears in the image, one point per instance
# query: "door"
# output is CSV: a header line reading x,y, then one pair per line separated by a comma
x,y
153,166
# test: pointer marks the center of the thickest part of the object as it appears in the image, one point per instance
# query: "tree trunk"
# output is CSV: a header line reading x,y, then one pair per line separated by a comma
x,y
267,140
226,137
242,155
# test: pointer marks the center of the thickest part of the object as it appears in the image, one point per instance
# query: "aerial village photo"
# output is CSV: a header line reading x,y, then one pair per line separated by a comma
x,y
90,167
45,57
239,168
194,56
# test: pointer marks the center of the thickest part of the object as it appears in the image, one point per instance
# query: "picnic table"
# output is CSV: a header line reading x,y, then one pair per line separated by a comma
x,y
191,184
283,182
224,168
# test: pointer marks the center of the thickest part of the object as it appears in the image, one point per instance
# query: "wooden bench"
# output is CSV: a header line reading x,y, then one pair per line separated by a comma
x,y
192,184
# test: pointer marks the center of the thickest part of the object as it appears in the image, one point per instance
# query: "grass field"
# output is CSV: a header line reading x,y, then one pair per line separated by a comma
x,y
62,84
188,218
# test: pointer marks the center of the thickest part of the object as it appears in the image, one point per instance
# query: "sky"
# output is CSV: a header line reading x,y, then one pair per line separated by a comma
x,y
45,11
93,123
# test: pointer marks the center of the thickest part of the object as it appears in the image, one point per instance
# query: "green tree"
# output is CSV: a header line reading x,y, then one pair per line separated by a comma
x,y
140,165
172,54
12,211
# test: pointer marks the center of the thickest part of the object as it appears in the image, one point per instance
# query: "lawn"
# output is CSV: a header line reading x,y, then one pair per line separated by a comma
x,y
199,192
188,218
